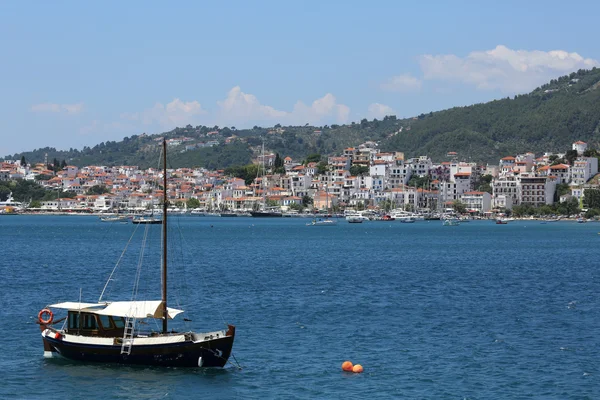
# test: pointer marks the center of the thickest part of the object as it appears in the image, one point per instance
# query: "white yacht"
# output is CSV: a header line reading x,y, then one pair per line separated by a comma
x,y
355,216
401,215
10,204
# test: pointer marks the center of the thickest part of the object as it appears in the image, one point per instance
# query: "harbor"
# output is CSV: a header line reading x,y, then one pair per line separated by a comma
x,y
429,312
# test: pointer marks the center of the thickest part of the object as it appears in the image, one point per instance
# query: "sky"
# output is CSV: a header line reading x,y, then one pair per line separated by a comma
x,y
77,73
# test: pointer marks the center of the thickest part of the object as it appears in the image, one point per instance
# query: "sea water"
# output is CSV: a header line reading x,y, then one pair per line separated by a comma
x,y
476,311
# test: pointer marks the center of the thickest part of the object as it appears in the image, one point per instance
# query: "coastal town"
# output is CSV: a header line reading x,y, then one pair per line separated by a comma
x,y
382,185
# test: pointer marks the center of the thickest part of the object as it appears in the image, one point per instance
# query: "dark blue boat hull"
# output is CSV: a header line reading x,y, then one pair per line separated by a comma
x,y
212,353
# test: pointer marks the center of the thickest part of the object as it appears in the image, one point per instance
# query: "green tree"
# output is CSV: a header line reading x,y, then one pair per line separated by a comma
x,y
569,207
297,207
24,190
313,158
561,190
359,170
193,203
272,203
35,204
278,161
570,156
307,200
97,189
592,213
523,210
591,198
546,210
23,161
4,192
459,207
386,205
484,184
419,181
248,172
558,161
322,167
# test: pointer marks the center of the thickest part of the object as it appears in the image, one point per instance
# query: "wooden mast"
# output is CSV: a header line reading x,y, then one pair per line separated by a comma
x,y
164,244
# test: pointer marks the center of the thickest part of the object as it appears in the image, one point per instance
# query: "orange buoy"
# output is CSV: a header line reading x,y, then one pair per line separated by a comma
x,y
347,366
357,368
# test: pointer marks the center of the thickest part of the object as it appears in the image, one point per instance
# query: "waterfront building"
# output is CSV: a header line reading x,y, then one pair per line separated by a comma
x,y
59,204
505,186
537,190
502,201
478,202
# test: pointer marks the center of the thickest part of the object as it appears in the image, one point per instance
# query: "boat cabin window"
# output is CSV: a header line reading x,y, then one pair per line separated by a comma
x,y
90,324
79,320
105,321
89,321
118,321
73,320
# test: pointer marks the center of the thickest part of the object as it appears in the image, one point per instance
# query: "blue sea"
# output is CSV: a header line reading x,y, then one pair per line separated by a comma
x,y
476,311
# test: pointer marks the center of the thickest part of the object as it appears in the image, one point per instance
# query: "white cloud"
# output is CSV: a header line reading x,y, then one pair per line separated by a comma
x,y
377,110
325,109
402,83
237,109
246,107
57,108
242,108
503,68
175,113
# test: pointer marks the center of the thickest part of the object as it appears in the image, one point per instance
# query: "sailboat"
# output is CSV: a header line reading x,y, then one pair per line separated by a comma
x,y
263,211
108,331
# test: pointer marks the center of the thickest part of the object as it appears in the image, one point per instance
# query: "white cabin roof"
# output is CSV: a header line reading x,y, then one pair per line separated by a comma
x,y
135,309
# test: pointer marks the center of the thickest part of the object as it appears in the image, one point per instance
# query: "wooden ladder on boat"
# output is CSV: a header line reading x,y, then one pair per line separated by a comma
x,y
128,336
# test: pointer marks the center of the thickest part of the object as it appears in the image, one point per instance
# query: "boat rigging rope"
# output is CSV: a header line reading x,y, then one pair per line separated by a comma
x,y
138,272
117,264
206,287
183,286
237,364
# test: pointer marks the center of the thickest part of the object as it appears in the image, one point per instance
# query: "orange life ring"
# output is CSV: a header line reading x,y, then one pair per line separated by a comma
x,y
45,320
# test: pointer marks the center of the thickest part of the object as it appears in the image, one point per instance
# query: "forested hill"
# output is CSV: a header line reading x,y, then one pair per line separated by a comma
x,y
550,118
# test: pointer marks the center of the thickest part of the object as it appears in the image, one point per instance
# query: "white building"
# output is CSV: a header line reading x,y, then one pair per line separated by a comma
x,y
562,172
502,201
580,147
480,202
399,174
537,190
507,186
421,165
583,169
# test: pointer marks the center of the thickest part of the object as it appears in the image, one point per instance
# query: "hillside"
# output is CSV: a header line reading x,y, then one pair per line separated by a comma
x,y
550,118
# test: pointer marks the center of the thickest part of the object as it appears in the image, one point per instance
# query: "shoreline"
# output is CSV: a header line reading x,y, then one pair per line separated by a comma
x,y
103,214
